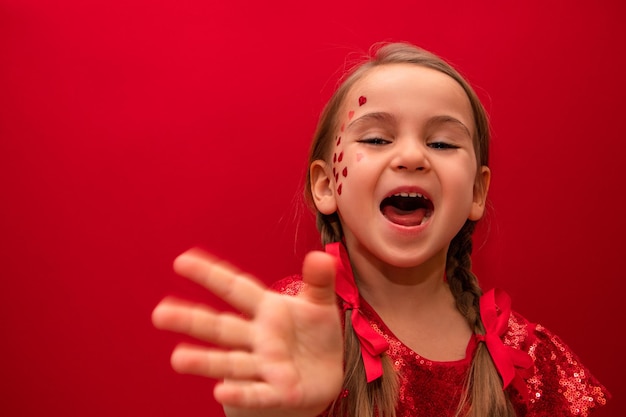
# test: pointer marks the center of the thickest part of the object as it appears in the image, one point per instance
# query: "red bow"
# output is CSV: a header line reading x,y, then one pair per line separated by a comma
x,y
511,363
373,345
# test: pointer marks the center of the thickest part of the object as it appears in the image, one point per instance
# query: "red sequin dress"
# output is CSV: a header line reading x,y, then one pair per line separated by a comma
x,y
560,384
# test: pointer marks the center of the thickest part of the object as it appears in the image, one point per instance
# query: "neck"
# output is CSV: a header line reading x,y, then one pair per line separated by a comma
x,y
388,288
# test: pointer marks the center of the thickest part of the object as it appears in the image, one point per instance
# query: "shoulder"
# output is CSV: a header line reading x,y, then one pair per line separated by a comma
x,y
559,383
520,333
291,285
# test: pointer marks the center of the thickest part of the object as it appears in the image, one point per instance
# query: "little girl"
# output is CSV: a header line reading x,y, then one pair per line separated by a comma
x,y
390,321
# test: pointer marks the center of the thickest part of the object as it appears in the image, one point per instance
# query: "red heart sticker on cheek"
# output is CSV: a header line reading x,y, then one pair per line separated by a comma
x,y
362,100
345,172
340,158
339,189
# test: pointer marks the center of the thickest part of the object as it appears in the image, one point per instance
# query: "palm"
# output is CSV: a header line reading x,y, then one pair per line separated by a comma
x,y
285,359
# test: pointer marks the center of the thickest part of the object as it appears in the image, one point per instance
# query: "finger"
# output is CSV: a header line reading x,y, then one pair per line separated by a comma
x,y
246,394
318,273
231,285
201,322
197,360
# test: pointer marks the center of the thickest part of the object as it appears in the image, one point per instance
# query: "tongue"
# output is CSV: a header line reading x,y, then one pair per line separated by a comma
x,y
404,217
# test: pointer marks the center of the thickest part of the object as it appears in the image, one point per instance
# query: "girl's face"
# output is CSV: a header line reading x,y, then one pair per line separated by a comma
x,y
402,174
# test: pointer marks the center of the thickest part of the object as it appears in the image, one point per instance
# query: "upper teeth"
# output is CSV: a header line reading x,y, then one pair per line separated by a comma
x,y
410,195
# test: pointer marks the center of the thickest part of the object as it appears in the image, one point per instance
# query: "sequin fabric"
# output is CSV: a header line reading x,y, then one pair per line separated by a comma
x,y
560,384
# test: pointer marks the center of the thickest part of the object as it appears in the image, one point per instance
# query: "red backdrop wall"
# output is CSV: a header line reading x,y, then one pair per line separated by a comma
x,y
132,130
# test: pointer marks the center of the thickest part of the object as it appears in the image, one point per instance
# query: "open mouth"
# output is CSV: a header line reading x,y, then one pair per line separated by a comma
x,y
407,209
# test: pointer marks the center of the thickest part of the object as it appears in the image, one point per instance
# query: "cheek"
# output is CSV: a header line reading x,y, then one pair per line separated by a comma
x,y
340,166
461,185
343,167
340,172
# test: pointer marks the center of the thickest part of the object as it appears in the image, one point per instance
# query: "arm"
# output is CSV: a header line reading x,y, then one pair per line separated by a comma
x,y
284,358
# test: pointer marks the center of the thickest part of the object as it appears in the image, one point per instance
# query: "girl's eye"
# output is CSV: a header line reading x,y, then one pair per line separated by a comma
x,y
442,145
374,141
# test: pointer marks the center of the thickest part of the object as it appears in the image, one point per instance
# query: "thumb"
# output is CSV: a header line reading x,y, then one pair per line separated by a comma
x,y
318,274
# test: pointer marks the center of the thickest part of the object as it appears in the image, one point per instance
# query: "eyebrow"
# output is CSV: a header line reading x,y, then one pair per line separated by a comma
x,y
380,117
444,119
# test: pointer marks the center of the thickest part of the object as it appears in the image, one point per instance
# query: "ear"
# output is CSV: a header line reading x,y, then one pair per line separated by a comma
x,y
480,193
321,187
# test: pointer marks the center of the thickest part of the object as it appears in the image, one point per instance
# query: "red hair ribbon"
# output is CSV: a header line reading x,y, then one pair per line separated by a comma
x,y
373,344
512,364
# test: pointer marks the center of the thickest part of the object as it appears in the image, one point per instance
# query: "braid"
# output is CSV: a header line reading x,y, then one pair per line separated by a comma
x,y
462,281
484,396
329,228
377,398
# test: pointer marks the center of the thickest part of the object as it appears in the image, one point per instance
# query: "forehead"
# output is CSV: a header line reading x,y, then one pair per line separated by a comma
x,y
410,89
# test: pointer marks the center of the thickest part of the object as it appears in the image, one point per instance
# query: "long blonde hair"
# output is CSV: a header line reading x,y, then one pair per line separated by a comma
x,y
484,396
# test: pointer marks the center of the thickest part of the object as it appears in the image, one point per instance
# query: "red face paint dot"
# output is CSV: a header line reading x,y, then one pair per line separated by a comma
x,y
334,171
362,100
336,176
340,158
345,172
339,189
338,140
334,157
350,114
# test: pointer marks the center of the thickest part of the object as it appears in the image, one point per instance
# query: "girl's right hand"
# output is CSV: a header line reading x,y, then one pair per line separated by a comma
x,y
283,357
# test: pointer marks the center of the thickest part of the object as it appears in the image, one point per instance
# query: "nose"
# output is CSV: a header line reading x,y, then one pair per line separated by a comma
x,y
411,155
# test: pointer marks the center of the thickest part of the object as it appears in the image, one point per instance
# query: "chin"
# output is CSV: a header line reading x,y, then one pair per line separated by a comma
x,y
402,259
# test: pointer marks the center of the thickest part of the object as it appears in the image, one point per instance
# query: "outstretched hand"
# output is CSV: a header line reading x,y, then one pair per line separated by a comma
x,y
284,356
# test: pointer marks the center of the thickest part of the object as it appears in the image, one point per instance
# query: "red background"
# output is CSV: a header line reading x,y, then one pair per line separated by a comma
x,y
132,130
